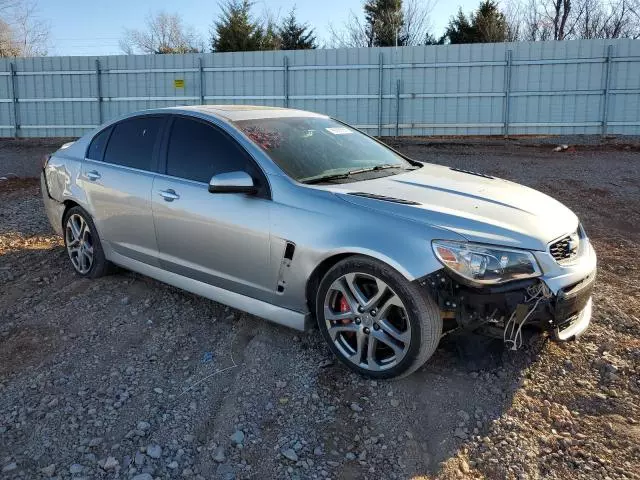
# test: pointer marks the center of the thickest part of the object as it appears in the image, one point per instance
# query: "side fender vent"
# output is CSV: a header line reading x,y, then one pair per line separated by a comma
x,y
383,198
461,170
285,264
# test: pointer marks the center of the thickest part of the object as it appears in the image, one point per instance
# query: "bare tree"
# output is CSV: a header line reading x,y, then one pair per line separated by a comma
x,y
354,32
417,21
569,19
612,20
8,45
164,33
22,31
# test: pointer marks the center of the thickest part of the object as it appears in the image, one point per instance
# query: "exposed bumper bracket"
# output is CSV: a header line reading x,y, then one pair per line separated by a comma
x,y
577,326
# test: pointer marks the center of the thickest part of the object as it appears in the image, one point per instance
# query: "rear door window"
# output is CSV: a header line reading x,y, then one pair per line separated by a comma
x,y
96,148
197,151
132,142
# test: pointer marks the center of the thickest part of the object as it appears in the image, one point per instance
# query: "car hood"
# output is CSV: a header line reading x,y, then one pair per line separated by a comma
x,y
480,208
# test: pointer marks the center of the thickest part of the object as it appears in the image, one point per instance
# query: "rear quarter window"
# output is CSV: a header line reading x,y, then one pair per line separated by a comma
x,y
96,148
133,141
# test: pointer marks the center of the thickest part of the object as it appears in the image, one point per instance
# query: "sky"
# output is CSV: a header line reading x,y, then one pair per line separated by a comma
x,y
85,27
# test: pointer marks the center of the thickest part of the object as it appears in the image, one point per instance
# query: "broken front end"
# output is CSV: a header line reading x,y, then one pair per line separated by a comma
x,y
502,292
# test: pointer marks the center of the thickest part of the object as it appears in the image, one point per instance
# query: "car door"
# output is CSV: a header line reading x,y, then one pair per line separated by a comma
x,y
217,238
117,175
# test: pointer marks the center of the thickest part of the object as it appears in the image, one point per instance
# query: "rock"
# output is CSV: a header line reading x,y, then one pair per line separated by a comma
x,y
110,463
318,451
139,459
225,472
464,416
49,470
355,407
9,467
460,433
158,390
350,456
326,363
125,301
290,454
281,384
219,455
237,437
395,402
173,465
143,476
75,469
464,466
142,425
154,451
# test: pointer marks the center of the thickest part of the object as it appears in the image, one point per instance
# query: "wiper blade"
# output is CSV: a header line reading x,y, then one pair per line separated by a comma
x,y
337,176
374,169
325,178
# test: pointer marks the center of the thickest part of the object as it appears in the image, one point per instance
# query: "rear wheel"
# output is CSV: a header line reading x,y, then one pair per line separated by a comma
x,y
83,244
375,321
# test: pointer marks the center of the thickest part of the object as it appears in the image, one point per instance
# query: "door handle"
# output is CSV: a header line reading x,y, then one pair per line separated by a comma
x,y
169,195
93,175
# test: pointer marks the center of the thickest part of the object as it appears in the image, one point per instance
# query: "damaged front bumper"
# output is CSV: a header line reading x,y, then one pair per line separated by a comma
x,y
560,301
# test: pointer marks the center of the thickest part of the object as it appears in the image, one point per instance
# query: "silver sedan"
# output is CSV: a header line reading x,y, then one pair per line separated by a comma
x,y
294,216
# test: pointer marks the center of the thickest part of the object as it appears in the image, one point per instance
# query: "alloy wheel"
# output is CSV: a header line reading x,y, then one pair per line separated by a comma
x,y
79,243
367,321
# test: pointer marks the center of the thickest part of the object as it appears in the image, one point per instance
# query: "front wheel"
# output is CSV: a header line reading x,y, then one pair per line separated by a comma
x,y
374,320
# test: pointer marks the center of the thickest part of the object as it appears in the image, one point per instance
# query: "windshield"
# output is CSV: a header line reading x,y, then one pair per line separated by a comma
x,y
314,148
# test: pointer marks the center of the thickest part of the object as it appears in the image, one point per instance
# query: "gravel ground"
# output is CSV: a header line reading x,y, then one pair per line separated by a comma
x,y
23,157
124,377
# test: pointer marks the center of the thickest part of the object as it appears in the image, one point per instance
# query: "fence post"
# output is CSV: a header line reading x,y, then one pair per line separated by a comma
x,y
607,85
286,81
14,95
380,67
397,107
507,94
99,91
201,83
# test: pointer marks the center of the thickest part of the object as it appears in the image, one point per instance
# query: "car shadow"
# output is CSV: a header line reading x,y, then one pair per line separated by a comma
x,y
456,396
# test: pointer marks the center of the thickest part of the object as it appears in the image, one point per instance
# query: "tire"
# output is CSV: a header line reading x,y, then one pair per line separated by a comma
x,y
77,250
402,323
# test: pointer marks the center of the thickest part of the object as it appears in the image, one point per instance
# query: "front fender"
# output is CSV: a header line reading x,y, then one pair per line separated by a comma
x,y
322,226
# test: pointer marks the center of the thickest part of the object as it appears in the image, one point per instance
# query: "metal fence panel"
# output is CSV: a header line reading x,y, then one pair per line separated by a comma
x,y
583,86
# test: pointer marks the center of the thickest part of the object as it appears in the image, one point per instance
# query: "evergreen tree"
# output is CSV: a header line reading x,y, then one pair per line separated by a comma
x,y
384,20
295,36
235,31
487,24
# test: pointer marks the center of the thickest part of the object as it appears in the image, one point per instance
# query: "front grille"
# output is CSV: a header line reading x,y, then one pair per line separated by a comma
x,y
565,249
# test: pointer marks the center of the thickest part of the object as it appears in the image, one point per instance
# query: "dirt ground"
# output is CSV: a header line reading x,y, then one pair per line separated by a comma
x,y
124,377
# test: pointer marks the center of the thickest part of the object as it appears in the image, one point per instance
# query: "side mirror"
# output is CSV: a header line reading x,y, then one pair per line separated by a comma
x,y
233,182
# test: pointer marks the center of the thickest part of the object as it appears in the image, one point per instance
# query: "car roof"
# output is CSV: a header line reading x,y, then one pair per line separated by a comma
x,y
235,113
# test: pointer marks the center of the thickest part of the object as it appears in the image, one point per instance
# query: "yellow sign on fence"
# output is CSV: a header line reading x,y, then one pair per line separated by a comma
x,y
178,83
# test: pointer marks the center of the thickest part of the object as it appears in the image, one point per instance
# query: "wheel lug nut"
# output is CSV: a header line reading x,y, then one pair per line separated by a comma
x,y
360,309
373,313
357,320
376,326
366,330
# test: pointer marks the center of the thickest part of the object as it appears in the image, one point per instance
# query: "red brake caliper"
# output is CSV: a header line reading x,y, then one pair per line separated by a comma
x,y
344,307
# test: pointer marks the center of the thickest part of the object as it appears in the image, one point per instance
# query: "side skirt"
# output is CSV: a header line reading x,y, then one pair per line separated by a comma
x,y
273,313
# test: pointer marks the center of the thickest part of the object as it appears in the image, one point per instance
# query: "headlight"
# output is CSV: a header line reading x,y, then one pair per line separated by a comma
x,y
486,265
